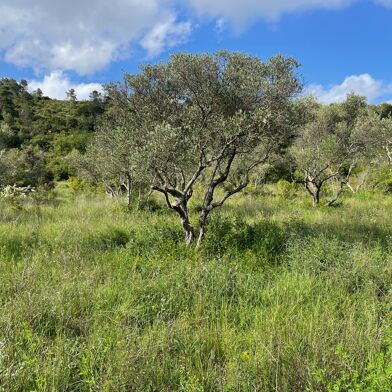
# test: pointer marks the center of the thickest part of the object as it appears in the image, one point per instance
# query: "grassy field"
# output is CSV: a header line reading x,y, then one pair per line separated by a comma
x,y
281,297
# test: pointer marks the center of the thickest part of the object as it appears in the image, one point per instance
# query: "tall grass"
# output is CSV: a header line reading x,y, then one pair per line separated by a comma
x,y
281,297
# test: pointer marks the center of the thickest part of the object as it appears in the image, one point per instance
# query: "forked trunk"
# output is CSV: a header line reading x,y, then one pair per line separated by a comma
x,y
343,182
180,206
336,197
313,188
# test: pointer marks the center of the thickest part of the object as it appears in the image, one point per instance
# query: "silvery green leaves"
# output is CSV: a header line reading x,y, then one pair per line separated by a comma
x,y
207,121
328,147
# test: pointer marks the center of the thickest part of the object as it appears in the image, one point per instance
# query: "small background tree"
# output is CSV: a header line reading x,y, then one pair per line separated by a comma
x,y
328,146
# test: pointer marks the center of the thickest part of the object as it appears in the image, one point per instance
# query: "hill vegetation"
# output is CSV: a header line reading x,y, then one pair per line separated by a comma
x,y
37,133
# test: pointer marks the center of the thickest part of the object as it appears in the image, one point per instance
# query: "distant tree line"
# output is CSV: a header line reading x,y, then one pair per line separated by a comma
x,y
37,134
199,126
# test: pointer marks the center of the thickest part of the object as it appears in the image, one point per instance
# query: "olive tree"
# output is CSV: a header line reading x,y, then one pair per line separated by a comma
x,y
375,131
208,120
110,158
328,146
113,155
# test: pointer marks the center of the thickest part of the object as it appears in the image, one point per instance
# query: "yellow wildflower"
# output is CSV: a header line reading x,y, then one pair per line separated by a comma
x,y
245,355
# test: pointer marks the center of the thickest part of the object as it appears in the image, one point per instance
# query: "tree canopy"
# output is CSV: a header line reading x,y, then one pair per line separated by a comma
x,y
205,120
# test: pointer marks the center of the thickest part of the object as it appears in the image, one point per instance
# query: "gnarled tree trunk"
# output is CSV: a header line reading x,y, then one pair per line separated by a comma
x,y
342,183
316,196
180,206
314,189
189,231
202,226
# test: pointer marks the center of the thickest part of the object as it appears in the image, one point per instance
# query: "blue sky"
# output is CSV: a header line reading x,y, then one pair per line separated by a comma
x,y
343,45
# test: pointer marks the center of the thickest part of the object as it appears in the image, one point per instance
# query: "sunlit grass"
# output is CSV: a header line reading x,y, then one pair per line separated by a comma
x,y
93,297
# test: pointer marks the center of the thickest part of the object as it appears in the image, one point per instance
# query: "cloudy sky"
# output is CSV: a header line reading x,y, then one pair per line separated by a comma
x,y
343,45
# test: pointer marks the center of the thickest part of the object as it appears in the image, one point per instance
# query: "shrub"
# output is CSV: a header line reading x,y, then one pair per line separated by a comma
x,y
381,179
150,204
17,195
78,185
377,375
286,189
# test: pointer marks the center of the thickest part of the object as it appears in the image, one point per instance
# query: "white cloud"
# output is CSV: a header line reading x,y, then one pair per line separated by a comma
x,y
165,34
57,83
220,25
82,35
240,12
87,35
386,3
364,85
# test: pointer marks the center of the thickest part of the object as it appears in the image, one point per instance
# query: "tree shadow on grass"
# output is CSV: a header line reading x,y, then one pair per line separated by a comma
x,y
349,233
270,239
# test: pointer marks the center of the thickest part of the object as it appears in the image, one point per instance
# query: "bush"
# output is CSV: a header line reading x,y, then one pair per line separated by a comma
x,y
377,375
150,205
78,185
17,195
286,189
381,179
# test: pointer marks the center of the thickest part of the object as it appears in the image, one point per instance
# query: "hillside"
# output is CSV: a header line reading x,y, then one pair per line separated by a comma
x,y
37,133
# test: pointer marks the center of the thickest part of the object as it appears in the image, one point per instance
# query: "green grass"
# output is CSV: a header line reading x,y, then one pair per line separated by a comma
x,y
281,297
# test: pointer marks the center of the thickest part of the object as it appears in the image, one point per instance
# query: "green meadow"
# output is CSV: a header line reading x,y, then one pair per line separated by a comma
x,y
280,297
